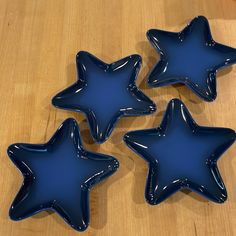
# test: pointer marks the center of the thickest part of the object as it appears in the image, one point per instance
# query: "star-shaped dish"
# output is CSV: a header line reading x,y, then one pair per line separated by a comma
x,y
58,176
105,92
181,155
190,57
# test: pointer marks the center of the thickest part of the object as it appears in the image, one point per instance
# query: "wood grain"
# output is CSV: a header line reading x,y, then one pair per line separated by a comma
x,y
38,43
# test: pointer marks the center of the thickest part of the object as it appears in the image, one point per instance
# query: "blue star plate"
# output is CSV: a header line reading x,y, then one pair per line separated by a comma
x,y
181,155
58,176
190,57
105,92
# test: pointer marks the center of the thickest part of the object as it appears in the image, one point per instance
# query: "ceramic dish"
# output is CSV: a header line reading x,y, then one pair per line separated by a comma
x,y
190,57
181,155
105,92
58,176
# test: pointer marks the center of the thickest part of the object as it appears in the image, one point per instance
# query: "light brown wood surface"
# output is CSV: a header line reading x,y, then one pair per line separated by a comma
x,y
38,43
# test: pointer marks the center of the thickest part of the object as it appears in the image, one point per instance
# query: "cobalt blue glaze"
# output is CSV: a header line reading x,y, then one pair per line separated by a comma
x,y
105,92
58,176
190,57
181,155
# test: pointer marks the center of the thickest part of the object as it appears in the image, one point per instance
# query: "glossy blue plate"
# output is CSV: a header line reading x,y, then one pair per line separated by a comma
x,y
190,57
105,92
181,155
58,176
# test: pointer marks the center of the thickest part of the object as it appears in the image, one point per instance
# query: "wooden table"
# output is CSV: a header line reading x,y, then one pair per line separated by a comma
x,y
38,43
